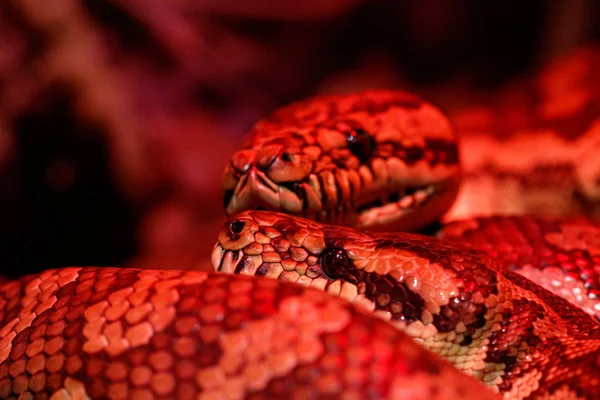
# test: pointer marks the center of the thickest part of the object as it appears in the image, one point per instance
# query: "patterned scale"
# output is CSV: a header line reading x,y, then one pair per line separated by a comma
x,y
81,333
376,160
561,255
490,322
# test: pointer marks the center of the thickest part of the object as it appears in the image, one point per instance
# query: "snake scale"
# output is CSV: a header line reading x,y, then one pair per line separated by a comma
x,y
490,308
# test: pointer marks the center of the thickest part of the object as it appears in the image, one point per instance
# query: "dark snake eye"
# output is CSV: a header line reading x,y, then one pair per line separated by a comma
x,y
361,144
236,227
335,263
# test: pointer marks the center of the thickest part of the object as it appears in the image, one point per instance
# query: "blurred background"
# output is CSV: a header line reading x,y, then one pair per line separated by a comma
x,y
117,117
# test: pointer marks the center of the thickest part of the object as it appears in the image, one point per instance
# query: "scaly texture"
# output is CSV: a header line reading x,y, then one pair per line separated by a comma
x,y
375,160
562,255
512,334
81,333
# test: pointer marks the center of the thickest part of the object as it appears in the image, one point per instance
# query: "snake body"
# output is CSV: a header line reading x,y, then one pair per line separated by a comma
x,y
470,307
81,333
490,322
332,171
561,255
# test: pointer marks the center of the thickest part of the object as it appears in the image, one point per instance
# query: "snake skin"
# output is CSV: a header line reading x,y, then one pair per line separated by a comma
x,y
490,322
81,333
512,334
562,255
378,160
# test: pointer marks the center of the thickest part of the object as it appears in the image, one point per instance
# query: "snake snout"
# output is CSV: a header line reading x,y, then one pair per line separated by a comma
x,y
264,179
235,240
271,244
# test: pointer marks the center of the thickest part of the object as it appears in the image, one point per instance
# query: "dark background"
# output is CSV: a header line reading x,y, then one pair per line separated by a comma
x,y
116,118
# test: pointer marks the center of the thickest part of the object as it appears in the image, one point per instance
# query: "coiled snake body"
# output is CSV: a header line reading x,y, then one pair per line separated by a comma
x,y
332,171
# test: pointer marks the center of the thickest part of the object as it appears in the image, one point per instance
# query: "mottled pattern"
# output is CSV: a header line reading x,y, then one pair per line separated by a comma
x,y
490,322
538,172
562,255
531,147
475,311
375,159
378,160
82,333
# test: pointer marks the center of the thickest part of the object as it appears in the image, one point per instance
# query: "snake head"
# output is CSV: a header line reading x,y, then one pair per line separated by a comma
x,y
412,280
377,160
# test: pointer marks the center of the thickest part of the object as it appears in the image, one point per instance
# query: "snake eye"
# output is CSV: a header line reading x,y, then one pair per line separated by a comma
x,y
335,263
361,144
236,227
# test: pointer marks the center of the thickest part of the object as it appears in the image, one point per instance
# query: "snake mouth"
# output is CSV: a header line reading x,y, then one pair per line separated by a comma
x,y
232,262
398,204
236,262
331,199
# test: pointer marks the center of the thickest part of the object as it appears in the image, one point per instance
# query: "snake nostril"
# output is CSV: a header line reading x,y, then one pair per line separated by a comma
x,y
236,227
287,157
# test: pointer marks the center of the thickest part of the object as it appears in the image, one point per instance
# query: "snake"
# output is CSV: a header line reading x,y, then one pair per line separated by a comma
x,y
532,144
320,184
333,279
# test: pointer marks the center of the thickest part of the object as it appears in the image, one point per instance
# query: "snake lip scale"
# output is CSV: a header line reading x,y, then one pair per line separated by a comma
x,y
394,202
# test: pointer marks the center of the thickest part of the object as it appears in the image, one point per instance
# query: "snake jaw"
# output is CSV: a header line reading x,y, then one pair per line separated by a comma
x,y
236,262
412,212
327,197
401,210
